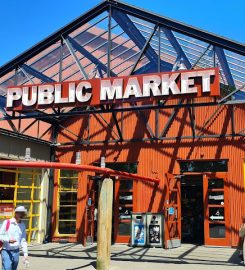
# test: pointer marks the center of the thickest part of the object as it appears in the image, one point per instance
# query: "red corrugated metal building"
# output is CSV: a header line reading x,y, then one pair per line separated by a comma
x,y
194,145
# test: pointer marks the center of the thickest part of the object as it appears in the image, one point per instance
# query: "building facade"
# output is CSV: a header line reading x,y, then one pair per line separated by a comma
x,y
193,143
208,172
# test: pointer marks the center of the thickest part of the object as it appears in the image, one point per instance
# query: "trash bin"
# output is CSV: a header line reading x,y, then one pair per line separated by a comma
x,y
138,229
154,229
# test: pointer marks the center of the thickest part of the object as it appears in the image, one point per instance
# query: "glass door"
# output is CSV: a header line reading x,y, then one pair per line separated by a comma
x,y
123,208
216,209
67,203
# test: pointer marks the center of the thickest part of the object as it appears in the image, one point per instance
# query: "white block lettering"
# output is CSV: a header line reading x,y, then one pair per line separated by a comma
x,y
72,92
206,74
132,88
45,94
13,94
81,94
26,100
151,84
58,99
110,91
187,82
169,83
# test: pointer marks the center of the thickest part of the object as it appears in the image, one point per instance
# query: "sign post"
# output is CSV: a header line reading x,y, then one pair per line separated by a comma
x,y
104,224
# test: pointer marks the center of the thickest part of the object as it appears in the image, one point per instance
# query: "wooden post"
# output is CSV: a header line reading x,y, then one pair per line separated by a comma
x,y
104,224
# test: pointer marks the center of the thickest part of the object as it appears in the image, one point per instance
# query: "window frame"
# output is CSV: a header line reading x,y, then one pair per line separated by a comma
x,y
31,185
72,190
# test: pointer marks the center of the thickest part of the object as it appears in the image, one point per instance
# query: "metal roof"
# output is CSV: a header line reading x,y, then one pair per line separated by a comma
x,y
115,39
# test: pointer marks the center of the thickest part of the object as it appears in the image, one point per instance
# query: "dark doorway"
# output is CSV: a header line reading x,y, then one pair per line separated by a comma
x,y
192,211
123,202
92,209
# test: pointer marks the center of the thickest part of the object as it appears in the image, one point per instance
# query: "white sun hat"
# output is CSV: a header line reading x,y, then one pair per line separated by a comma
x,y
20,209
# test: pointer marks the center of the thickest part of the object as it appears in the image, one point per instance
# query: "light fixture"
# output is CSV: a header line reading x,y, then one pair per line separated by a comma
x,y
176,64
94,73
102,162
78,158
181,65
28,154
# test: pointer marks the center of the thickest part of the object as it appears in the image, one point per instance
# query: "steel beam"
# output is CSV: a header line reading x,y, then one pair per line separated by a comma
x,y
61,61
100,111
224,65
179,27
171,118
174,42
233,127
146,123
36,73
143,118
230,95
134,34
159,50
109,43
214,136
144,49
138,39
191,111
2,109
3,105
201,56
117,126
88,55
152,68
108,124
156,122
29,126
73,54
27,75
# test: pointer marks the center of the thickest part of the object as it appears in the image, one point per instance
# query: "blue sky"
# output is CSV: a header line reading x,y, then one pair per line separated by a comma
x,y
24,23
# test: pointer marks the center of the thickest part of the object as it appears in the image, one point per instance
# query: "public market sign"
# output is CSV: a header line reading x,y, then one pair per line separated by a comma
x,y
146,87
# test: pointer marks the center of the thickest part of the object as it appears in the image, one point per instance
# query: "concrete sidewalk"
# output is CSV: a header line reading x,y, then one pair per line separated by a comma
x,y
56,256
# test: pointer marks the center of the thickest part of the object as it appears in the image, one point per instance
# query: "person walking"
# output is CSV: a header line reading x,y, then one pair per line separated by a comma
x,y
242,237
12,236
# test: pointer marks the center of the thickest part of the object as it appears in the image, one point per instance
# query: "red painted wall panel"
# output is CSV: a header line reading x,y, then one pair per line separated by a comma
x,y
159,157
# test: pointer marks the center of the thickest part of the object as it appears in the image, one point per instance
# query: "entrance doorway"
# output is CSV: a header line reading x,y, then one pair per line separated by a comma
x,y
205,206
92,209
192,220
124,201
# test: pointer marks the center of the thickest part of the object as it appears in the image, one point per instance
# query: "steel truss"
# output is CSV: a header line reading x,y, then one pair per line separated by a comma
x,y
121,13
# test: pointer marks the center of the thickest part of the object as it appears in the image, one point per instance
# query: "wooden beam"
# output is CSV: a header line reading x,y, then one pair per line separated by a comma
x,y
104,224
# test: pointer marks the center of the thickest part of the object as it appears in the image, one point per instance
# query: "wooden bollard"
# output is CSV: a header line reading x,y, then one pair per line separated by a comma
x,y
104,224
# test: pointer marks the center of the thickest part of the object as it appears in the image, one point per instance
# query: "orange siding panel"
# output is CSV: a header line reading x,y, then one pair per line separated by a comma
x,y
159,157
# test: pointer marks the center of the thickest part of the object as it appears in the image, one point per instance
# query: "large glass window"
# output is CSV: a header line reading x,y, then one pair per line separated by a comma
x,y
67,202
21,187
216,207
203,165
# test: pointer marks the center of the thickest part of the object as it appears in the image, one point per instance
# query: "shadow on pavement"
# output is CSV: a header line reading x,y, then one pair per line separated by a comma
x,y
130,254
84,266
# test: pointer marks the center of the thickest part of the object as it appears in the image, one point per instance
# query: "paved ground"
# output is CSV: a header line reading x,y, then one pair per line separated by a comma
x,y
54,256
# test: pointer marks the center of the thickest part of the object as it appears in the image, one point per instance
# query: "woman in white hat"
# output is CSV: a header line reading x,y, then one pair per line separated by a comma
x,y
13,235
